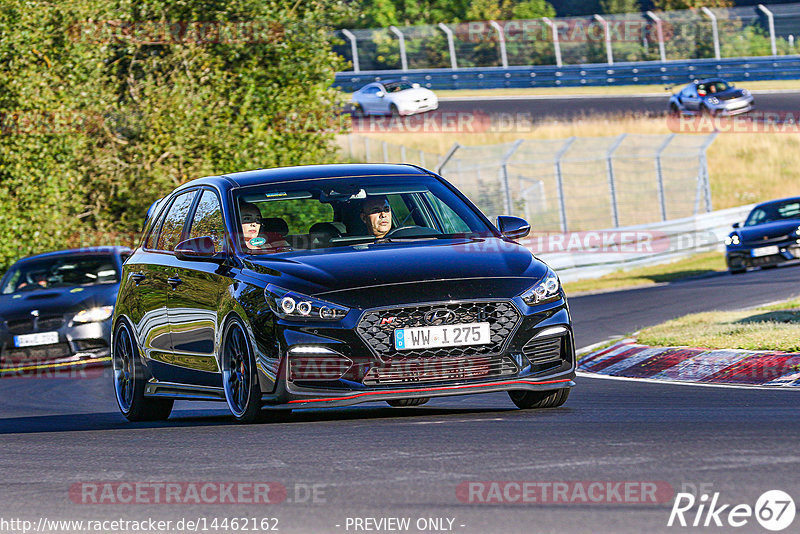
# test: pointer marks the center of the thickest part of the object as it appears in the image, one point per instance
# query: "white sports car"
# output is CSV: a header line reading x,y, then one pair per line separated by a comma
x,y
393,98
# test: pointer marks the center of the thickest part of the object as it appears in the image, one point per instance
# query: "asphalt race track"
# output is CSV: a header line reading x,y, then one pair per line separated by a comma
x,y
574,107
378,462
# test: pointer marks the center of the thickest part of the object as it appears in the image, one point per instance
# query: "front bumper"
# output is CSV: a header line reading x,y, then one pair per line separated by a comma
x,y
735,106
743,257
77,344
537,354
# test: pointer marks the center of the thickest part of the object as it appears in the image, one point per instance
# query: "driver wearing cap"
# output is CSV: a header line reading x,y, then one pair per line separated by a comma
x,y
377,215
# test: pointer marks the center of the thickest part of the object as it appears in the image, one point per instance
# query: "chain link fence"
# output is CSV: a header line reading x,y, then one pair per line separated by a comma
x,y
669,35
568,185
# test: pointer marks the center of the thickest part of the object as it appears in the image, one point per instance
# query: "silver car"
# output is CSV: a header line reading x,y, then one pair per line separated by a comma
x,y
712,96
393,98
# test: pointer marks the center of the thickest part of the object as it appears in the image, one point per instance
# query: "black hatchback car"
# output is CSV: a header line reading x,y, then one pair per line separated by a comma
x,y
770,236
55,309
334,285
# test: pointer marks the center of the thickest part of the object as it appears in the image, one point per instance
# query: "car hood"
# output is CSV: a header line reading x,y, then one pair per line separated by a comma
x,y
474,265
729,94
773,230
412,94
57,301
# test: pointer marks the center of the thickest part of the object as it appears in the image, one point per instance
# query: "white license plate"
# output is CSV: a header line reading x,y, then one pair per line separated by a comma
x,y
450,335
764,251
30,340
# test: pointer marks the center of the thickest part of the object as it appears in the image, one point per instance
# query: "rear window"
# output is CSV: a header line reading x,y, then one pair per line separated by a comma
x,y
62,271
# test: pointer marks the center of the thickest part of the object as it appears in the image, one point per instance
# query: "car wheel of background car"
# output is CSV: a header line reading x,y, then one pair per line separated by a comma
x,y
401,403
239,375
129,381
393,111
539,399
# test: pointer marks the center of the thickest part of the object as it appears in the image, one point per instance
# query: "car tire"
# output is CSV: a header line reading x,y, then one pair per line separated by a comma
x,y
358,111
393,111
737,271
674,111
527,400
769,266
239,374
706,112
129,380
403,403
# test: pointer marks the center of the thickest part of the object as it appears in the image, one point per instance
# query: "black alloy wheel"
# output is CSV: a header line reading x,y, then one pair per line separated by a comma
x,y
129,381
239,376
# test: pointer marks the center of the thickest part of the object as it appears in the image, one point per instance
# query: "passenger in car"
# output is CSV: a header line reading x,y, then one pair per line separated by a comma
x,y
251,226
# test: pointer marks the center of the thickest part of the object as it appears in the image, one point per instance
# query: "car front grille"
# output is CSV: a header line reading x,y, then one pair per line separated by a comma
x,y
16,356
40,324
20,326
769,241
438,370
376,328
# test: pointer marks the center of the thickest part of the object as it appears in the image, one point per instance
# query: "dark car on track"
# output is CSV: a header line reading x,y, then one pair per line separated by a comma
x,y
769,236
56,308
713,96
278,289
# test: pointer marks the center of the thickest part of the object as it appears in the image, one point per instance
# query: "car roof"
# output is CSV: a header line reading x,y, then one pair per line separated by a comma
x,y
777,201
88,251
304,172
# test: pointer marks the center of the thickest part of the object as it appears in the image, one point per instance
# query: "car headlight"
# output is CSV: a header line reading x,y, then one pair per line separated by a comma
x,y
93,315
545,290
713,100
291,305
745,92
732,239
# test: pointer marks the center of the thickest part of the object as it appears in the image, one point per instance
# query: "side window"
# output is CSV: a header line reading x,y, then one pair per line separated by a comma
x,y
208,220
451,222
152,228
173,222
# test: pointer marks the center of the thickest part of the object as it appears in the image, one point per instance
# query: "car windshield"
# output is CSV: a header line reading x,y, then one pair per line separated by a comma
x,y
396,87
779,211
339,212
62,271
711,88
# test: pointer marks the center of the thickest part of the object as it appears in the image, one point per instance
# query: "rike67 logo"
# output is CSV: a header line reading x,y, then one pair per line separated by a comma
x,y
774,510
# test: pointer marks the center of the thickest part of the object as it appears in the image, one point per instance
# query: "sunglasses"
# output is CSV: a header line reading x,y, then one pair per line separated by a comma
x,y
249,218
376,210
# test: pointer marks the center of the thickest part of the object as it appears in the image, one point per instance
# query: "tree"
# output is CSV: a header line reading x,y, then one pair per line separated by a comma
x,y
620,6
156,98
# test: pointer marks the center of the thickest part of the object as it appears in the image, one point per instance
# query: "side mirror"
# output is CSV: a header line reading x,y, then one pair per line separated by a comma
x,y
379,94
197,249
513,227
415,85
736,225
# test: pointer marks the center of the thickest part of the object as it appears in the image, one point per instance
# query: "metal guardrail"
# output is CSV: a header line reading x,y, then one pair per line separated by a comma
x,y
633,73
650,244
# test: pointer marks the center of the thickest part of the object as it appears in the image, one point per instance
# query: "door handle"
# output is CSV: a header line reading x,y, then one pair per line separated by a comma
x,y
138,277
174,281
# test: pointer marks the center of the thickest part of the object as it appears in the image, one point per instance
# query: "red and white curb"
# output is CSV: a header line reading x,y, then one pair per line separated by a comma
x,y
628,359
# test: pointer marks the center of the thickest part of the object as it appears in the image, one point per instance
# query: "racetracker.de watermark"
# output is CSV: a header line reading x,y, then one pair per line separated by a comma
x,y
207,492
565,492
786,122
166,32
577,30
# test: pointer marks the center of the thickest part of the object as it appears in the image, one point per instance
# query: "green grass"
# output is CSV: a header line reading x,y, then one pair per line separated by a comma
x,y
697,265
775,327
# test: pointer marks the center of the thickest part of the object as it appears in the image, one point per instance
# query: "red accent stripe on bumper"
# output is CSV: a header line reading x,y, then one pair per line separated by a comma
x,y
420,390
